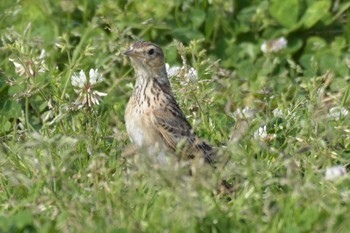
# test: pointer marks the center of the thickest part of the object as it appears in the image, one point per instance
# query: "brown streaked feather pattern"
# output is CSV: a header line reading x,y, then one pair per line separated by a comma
x,y
153,117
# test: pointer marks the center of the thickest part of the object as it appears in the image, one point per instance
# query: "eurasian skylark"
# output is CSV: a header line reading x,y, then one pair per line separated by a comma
x,y
154,120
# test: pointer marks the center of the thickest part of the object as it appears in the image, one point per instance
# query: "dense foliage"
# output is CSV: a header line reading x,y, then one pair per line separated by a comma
x,y
270,89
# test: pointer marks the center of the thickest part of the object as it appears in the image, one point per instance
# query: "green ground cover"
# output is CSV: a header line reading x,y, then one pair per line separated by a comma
x,y
270,90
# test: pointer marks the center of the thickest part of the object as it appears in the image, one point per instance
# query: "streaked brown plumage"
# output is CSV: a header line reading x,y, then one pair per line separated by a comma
x,y
153,118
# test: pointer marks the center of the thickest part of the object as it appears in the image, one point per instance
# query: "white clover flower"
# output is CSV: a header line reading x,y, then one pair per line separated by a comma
x,y
337,113
42,54
176,71
274,46
87,95
332,173
95,77
245,113
19,68
191,74
79,80
262,134
172,71
40,62
277,112
30,67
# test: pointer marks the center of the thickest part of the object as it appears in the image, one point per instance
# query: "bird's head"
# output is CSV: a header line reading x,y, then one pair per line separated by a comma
x,y
146,57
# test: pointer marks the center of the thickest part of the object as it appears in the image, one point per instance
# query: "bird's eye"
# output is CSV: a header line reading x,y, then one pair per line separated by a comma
x,y
151,52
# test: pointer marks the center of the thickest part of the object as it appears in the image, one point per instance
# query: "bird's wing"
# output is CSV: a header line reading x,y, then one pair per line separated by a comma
x,y
173,126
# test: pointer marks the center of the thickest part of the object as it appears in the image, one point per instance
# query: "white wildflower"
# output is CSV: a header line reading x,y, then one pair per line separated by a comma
x,y
191,74
19,68
95,77
176,71
274,46
30,67
245,113
262,134
59,45
337,113
277,112
332,173
79,80
42,54
172,71
87,95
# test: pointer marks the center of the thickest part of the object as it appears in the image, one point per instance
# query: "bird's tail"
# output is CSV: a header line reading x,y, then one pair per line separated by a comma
x,y
208,152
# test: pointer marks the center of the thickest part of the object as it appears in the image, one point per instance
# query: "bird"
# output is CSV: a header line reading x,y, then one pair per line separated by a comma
x,y
154,121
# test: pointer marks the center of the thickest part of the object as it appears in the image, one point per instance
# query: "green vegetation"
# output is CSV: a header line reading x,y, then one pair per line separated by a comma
x,y
272,93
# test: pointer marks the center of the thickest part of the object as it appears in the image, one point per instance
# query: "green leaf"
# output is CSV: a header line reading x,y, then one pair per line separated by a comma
x,y
210,23
338,45
294,45
10,109
315,44
315,12
5,125
3,224
22,219
285,12
327,61
186,34
197,17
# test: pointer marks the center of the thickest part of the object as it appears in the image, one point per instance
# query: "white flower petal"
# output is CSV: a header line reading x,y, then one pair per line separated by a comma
x,y
89,101
172,71
245,113
262,134
264,47
16,64
337,112
100,93
94,100
273,46
332,173
31,71
248,112
277,112
42,54
79,80
167,66
85,99
191,74
82,78
75,80
95,77
19,68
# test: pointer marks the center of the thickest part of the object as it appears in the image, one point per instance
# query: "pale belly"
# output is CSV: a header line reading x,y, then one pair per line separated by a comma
x,y
143,134
136,130
140,128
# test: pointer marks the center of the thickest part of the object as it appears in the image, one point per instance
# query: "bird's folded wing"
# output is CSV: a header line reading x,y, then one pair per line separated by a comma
x,y
172,125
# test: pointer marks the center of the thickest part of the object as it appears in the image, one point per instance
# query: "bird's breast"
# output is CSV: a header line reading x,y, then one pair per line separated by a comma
x,y
139,125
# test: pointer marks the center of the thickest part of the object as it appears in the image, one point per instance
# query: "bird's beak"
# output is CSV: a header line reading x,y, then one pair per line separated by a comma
x,y
130,53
